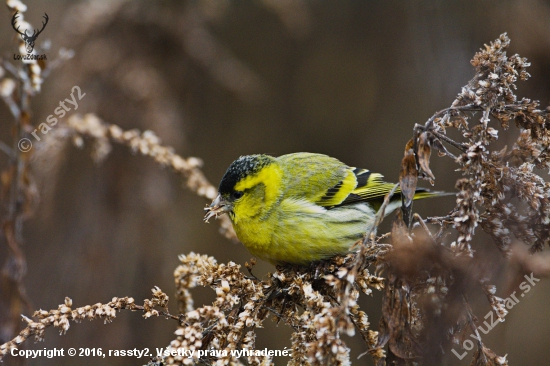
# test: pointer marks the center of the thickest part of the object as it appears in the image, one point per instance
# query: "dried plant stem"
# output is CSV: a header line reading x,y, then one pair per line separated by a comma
x,y
148,144
62,316
17,89
419,219
472,325
14,269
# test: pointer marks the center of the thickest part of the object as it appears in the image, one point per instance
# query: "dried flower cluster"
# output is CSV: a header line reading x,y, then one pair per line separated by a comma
x,y
425,303
62,317
306,299
500,191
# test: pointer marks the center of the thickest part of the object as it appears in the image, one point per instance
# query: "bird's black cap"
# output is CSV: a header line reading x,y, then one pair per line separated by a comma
x,y
243,167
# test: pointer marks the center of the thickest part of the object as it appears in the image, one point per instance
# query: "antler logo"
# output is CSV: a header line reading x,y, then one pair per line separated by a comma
x,y
29,39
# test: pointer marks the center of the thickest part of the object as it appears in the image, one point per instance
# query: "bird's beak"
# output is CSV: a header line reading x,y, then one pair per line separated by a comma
x,y
218,207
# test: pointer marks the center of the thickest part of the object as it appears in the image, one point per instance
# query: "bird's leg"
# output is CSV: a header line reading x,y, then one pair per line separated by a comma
x,y
249,267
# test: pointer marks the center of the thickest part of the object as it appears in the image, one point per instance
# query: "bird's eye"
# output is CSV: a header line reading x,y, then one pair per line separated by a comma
x,y
237,194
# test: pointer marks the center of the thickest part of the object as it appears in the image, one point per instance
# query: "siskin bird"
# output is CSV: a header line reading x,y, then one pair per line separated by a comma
x,y
300,208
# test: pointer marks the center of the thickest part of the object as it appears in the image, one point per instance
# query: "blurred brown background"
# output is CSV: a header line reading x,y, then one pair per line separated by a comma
x,y
219,79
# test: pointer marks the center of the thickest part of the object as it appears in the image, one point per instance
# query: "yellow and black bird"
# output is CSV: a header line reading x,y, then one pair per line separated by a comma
x,y
300,208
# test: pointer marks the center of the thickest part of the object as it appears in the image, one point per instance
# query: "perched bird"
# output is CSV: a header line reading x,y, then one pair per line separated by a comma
x,y
300,208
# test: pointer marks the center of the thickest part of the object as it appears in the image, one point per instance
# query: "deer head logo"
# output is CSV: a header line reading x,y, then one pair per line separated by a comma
x,y
29,39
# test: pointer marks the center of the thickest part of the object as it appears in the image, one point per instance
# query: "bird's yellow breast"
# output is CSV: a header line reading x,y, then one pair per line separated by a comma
x,y
300,232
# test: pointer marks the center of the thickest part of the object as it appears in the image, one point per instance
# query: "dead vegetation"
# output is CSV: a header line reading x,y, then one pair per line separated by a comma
x,y
424,272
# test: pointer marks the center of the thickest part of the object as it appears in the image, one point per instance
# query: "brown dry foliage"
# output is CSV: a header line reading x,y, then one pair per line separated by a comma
x,y
423,277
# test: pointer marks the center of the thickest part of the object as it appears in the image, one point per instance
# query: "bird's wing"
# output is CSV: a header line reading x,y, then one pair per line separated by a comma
x,y
369,188
317,178
329,183
358,185
339,193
